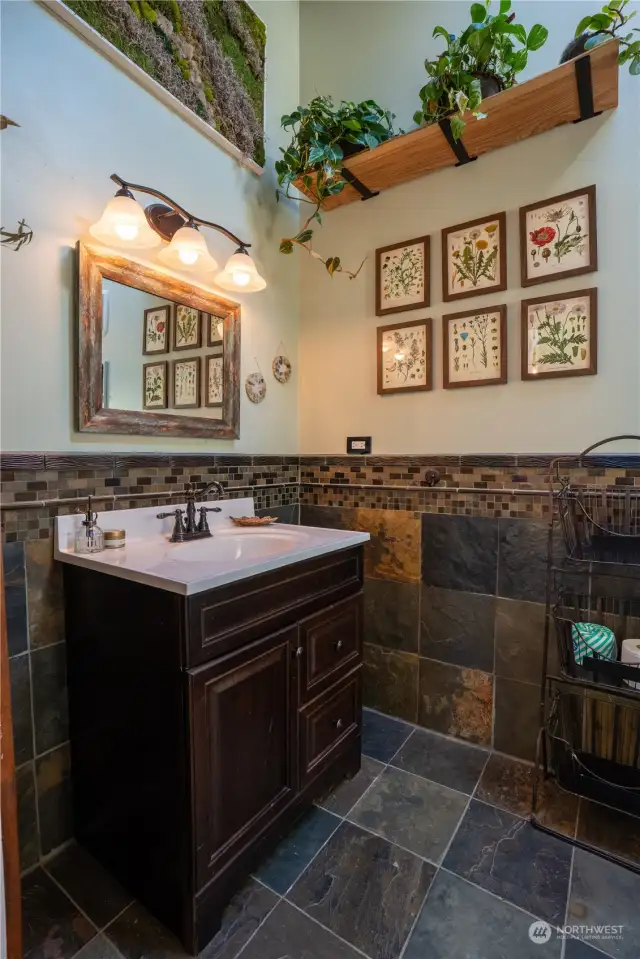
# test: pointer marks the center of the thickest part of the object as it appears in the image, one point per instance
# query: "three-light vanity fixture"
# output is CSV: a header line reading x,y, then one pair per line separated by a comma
x,y
126,224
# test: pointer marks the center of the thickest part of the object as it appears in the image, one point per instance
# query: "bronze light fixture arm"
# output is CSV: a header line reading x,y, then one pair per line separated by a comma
x,y
172,213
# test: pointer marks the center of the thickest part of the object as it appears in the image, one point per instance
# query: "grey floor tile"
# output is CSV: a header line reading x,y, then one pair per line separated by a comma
x,y
460,921
610,830
575,949
99,948
241,919
52,927
365,889
341,800
607,894
289,934
89,884
296,851
138,935
382,736
419,815
445,761
508,857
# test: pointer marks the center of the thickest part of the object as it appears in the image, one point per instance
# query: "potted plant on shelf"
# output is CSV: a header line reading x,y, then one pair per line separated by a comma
x,y
598,27
484,59
323,135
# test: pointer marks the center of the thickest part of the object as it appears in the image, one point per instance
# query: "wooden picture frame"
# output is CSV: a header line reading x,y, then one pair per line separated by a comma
x,y
539,236
163,364
149,318
195,361
489,347
410,342
91,415
494,228
585,319
192,315
206,391
208,322
420,281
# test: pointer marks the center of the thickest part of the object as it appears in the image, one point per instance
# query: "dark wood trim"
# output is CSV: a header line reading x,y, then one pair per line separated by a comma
x,y
205,382
192,346
155,309
428,385
502,258
174,364
426,241
92,417
589,191
493,381
165,391
8,799
590,294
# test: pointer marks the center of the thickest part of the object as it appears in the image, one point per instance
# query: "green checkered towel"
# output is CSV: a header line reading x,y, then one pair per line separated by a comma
x,y
590,638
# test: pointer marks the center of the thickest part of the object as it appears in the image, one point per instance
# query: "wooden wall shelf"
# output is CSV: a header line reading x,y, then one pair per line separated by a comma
x,y
571,92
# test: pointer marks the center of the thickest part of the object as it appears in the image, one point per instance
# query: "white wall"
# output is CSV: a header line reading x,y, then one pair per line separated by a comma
x,y
358,50
81,120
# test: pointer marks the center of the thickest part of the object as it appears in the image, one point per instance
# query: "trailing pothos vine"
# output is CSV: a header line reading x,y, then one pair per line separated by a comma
x,y
24,234
322,136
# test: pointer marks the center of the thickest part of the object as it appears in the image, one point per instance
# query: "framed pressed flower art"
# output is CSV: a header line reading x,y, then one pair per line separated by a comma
x,y
155,338
187,328
154,386
405,352
402,276
474,348
474,257
559,337
186,383
558,237
213,379
215,329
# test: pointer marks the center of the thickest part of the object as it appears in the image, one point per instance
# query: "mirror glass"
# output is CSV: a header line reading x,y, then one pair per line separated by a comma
x,y
158,354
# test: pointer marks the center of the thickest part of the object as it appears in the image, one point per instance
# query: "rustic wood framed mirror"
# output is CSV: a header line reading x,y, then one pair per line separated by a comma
x,y
151,350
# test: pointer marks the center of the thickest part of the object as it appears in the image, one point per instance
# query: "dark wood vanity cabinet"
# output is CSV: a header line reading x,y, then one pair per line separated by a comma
x,y
202,727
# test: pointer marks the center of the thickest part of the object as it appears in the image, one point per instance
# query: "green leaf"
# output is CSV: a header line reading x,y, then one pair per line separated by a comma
x,y
286,246
418,117
517,30
318,216
478,13
441,32
537,36
332,264
308,181
582,26
335,154
505,6
634,67
304,236
352,124
370,140
600,21
317,153
519,60
457,126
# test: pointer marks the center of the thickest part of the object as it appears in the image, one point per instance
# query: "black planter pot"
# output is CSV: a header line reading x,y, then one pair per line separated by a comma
x,y
489,84
350,149
576,46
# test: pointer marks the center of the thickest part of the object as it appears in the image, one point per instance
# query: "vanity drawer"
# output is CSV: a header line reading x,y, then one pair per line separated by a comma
x,y
328,724
225,618
330,644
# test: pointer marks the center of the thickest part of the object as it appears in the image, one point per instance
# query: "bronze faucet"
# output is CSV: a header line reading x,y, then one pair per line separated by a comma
x,y
186,528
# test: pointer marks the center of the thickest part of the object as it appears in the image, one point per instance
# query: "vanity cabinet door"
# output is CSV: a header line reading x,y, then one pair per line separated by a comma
x,y
244,755
330,646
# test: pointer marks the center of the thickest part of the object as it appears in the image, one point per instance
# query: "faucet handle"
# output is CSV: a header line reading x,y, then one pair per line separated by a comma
x,y
203,526
177,536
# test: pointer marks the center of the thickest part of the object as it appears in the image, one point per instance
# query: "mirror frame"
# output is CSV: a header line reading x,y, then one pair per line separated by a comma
x,y
92,417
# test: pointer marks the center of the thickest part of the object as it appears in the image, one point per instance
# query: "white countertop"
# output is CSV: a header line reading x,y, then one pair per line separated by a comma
x,y
232,553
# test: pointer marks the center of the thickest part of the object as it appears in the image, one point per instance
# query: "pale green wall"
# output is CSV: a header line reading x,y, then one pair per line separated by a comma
x,y
367,49
81,120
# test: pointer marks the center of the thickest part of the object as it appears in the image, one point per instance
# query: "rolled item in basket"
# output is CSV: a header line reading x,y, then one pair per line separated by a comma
x,y
593,639
631,656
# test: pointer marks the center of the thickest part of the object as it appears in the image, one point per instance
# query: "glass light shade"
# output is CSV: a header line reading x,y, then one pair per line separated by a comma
x,y
240,274
188,251
123,223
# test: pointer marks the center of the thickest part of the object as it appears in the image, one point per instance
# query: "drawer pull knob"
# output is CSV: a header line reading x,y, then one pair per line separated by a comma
x,y
339,724
299,651
339,644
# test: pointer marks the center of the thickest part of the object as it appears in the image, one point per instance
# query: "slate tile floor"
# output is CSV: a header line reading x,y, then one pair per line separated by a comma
x,y
425,854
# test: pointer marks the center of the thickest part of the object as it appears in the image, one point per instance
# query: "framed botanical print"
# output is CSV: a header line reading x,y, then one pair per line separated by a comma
x,y
214,326
186,383
156,330
402,276
213,379
559,336
474,257
186,328
474,348
558,237
405,355
154,386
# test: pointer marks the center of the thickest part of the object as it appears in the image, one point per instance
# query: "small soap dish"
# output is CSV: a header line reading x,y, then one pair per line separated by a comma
x,y
253,520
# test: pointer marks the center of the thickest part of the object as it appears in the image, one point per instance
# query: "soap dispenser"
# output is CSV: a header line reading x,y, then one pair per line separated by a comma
x,y
89,538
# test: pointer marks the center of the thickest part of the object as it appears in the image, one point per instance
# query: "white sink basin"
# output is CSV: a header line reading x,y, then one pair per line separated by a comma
x,y
237,544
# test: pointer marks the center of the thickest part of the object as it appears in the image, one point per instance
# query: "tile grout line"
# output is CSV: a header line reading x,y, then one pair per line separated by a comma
x,y
73,903
326,929
316,853
566,907
260,924
493,895
418,913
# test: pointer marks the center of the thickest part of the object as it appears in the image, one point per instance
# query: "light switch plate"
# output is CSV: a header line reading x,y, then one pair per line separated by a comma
x,y
358,444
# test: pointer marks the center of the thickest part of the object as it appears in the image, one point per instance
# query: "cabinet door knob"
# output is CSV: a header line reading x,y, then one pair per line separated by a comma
x,y
339,724
339,644
299,651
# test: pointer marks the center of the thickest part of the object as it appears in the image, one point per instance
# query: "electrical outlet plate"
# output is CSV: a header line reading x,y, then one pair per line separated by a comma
x,y
358,444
